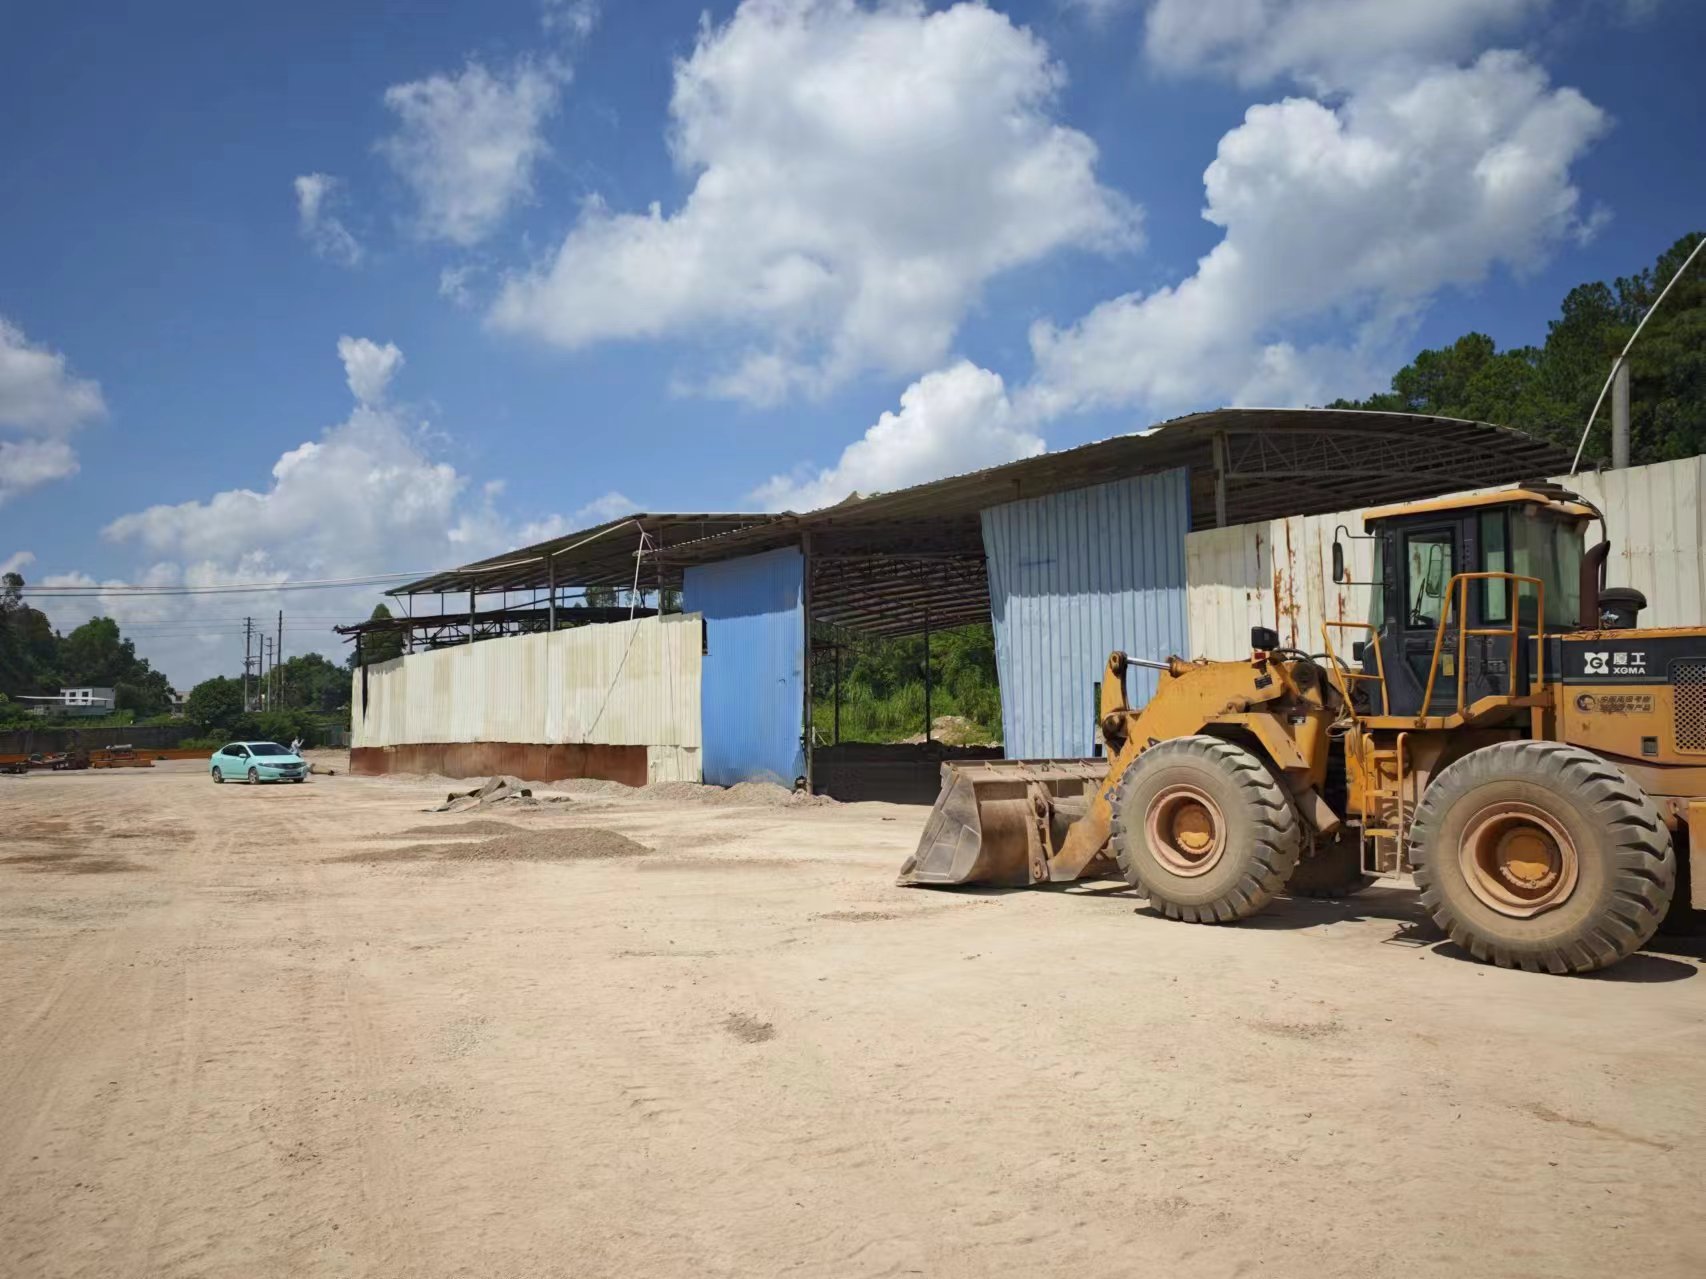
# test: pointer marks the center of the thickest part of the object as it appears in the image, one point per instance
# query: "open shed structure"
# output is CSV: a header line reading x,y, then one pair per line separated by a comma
x,y
1068,555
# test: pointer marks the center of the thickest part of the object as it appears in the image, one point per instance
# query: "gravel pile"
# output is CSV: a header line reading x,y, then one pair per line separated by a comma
x,y
587,843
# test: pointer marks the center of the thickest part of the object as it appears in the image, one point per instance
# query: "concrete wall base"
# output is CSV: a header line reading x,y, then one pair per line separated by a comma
x,y
530,761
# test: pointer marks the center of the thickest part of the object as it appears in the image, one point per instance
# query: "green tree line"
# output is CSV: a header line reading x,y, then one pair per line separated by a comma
x,y
1549,389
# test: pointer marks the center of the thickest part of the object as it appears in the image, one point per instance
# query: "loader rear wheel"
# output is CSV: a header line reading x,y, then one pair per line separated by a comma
x,y
1542,856
1204,829
1334,871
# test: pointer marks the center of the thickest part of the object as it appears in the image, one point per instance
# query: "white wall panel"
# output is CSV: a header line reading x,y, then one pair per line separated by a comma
x,y
622,684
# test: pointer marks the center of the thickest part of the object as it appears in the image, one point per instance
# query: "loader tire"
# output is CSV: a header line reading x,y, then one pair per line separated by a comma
x,y
1204,829
1542,856
1334,871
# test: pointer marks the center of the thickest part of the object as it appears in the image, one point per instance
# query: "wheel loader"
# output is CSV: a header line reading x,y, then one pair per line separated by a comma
x,y
1499,729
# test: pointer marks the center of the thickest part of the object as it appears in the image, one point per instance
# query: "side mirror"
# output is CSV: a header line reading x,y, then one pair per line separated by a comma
x,y
1433,583
1338,561
1264,638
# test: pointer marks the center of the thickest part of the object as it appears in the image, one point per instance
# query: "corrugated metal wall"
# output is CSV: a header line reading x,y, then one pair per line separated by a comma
x,y
1279,573
754,665
1072,577
625,683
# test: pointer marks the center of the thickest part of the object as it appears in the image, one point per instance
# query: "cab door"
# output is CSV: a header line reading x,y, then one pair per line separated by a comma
x,y
1425,557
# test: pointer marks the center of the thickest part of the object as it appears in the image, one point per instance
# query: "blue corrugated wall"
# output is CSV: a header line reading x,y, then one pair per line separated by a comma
x,y
1072,577
752,696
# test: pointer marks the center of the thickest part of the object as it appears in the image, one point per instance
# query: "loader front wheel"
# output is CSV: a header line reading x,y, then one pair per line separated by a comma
x,y
1204,829
1542,856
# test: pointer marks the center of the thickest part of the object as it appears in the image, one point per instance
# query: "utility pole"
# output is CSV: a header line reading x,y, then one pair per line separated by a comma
x,y
1620,415
248,642
277,657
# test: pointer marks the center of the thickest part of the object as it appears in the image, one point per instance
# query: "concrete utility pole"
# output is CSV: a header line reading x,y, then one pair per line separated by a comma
x,y
248,643
277,657
1620,415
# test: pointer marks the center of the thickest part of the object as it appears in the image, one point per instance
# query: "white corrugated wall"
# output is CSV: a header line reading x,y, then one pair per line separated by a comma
x,y
1279,573
621,684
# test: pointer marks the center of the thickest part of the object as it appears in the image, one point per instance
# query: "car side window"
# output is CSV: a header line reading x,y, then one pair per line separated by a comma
x,y
239,751
230,748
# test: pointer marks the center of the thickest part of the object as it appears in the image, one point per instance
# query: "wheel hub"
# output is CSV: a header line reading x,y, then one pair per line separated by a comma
x,y
1518,859
1186,831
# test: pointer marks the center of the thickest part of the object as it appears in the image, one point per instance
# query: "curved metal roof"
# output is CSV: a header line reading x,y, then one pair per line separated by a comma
x,y
878,558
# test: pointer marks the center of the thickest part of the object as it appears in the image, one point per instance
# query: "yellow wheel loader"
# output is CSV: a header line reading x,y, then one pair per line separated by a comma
x,y
1499,729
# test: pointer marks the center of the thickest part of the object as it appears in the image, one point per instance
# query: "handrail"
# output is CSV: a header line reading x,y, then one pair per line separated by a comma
x,y
1458,589
1342,672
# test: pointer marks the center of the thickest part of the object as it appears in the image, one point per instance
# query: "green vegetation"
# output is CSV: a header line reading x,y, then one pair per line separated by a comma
x,y
36,660
882,685
1550,389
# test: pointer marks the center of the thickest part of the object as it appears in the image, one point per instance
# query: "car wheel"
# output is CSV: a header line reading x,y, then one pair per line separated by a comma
x,y
299,780
218,777
254,777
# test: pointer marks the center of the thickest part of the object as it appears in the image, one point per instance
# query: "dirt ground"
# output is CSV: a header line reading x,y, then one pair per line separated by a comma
x,y
294,1031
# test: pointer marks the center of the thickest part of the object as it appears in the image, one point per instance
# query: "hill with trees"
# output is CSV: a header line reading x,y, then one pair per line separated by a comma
x,y
1550,389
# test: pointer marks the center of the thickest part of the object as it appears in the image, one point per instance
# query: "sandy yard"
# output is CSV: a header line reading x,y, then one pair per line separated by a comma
x,y
264,1032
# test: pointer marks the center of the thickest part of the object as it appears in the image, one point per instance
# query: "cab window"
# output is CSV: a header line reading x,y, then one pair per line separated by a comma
x,y
1550,550
1427,575
1495,558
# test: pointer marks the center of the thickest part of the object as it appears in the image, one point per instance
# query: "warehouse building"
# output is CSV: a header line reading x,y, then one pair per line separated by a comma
x,y
1171,541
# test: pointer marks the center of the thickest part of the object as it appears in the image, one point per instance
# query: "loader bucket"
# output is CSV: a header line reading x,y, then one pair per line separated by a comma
x,y
998,821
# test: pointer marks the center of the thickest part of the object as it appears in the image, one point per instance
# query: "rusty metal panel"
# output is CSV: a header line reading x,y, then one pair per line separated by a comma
x,y
1072,577
626,683
1278,573
530,761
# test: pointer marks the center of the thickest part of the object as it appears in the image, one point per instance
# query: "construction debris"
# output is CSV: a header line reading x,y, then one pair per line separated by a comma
x,y
501,791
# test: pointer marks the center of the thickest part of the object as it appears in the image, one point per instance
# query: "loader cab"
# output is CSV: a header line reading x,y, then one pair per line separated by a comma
x,y
1417,550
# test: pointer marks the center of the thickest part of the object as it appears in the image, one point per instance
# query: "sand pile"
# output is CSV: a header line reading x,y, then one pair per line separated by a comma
x,y
744,794
587,843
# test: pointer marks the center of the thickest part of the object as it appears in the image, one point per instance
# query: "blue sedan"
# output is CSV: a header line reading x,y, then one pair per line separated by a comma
x,y
258,762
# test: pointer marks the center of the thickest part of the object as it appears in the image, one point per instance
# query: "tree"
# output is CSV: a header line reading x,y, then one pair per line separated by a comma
x,y
29,650
215,706
379,646
96,654
1550,389
311,682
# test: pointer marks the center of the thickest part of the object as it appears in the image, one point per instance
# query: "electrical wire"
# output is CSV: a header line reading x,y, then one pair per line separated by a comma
x,y
1576,465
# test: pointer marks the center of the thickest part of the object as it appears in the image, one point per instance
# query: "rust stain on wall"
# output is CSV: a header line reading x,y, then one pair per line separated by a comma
x,y
530,761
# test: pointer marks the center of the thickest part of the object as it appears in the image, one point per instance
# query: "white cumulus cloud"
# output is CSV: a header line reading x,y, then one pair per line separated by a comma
x,y
604,508
858,174
42,402
956,419
466,144
1350,217
369,367
38,392
320,227
28,464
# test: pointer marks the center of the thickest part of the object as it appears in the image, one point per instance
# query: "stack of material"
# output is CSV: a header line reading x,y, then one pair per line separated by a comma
x,y
505,792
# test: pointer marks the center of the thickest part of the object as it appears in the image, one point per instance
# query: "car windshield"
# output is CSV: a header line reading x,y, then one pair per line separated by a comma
x,y
267,748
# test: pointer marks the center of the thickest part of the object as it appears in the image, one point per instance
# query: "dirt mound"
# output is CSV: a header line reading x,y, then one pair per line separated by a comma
x,y
745,794
582,844
479,826
593,786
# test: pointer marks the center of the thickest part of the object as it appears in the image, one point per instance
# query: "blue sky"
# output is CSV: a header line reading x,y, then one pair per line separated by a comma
x,y
891,241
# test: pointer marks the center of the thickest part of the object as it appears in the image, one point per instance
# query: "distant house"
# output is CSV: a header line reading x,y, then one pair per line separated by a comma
x,y
180,702
76,701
